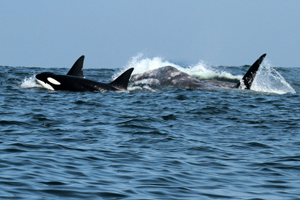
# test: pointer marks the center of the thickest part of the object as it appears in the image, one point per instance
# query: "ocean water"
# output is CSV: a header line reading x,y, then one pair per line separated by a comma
x,y
153,142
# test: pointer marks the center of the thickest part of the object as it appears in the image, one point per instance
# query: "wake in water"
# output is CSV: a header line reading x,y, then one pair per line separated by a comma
x,y
267,79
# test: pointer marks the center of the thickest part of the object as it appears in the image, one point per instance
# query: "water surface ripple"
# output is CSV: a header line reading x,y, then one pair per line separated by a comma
x,y
169,144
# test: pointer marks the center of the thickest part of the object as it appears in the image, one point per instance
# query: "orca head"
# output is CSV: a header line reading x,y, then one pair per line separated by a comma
x,y
47,80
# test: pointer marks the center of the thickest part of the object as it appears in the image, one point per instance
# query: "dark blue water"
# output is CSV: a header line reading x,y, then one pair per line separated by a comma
x,y
157,143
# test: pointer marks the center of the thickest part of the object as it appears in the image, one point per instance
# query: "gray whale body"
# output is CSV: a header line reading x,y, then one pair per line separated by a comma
x,y
172,77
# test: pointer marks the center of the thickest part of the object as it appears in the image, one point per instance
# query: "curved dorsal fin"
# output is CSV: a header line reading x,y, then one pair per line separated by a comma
x,y
76,69
121,82
251,73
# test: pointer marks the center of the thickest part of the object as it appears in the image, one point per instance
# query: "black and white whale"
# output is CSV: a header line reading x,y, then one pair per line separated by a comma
x,y
172,77
75,81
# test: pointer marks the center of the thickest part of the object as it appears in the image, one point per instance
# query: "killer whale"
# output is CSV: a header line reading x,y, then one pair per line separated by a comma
x,y
172,77
75,81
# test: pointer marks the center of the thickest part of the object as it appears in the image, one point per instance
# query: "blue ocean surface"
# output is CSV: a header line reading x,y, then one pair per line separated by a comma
x,y
152,142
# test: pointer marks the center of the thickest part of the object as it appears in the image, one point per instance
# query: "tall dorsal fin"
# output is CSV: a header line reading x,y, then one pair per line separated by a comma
x,y
251,73
121,82
76,69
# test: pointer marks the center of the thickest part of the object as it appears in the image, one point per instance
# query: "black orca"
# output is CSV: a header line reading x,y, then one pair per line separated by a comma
x,y
75,81
172,77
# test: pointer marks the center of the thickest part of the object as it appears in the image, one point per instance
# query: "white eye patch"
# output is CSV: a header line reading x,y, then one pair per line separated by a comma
x,y
53,81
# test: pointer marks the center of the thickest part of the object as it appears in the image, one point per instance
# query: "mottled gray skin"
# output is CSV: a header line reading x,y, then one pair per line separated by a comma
x,y
171,77
221,83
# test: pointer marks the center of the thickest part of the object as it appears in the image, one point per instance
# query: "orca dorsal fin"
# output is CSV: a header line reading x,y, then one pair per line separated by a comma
x,y
121,82
76,69
251,73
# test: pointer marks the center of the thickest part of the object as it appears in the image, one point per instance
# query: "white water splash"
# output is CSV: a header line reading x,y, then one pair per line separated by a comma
x,y
201,70
30,83
141,64
269,80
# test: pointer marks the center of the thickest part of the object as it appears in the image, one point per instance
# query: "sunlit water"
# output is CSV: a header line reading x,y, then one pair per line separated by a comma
x,y
153,142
